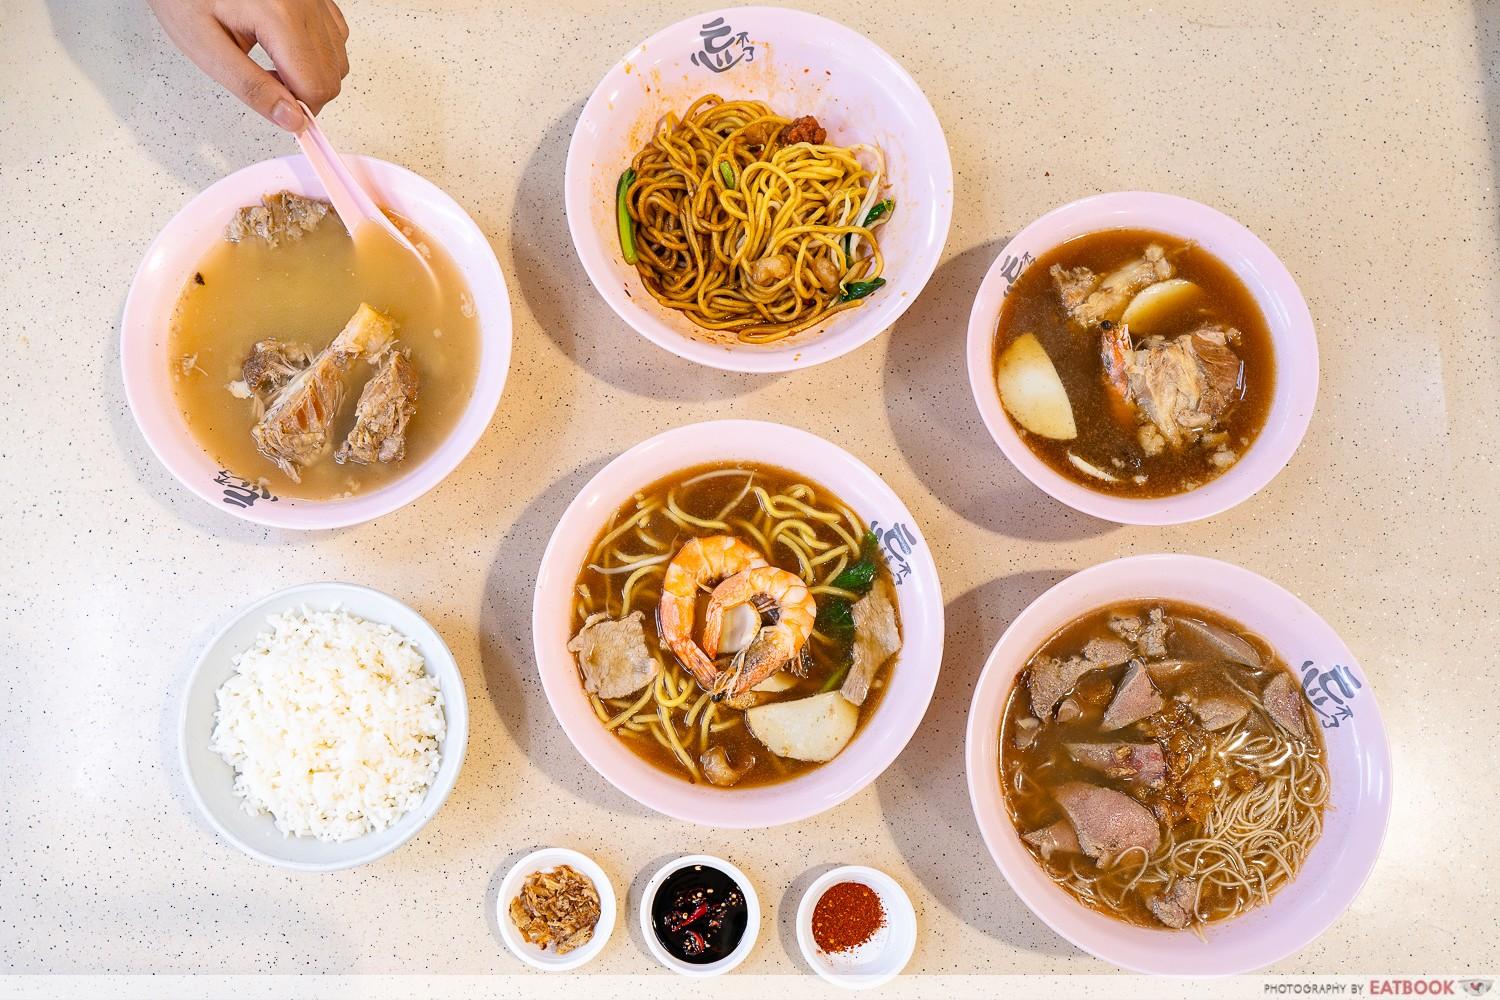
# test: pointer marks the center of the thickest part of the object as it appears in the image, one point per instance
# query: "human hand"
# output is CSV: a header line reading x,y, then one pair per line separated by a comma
x,y
304,38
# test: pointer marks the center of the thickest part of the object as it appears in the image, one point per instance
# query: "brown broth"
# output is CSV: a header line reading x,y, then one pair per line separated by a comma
x,y
1028,776
705,500
1033,306
304,291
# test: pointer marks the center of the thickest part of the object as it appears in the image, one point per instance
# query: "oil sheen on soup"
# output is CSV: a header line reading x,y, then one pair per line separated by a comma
x,y
1162,765
735,625
1134,363
295,283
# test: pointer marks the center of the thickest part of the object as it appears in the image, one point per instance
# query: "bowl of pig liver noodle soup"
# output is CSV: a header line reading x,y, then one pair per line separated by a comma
x,y
295,376
1178,766
1142,358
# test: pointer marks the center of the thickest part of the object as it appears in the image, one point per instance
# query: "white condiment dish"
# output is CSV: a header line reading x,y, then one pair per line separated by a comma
x,y
752,924
878,960
545,959
210,778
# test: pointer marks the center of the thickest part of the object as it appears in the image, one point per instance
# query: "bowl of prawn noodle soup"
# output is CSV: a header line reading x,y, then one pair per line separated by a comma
x,y
1242,287
765,798
227,472
798,64
1340,703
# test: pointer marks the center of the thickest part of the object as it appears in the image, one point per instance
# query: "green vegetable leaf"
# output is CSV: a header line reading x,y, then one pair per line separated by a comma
x,y
859,289
858,577
727,172
879,210
836,679
836,619
622,216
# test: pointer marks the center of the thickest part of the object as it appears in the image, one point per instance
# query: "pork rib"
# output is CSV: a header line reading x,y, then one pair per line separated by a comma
x,y
294,431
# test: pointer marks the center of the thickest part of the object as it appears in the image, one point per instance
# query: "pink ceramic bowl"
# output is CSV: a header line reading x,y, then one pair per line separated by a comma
x,y
800,64
912,676
1359,766
1292,336
177,250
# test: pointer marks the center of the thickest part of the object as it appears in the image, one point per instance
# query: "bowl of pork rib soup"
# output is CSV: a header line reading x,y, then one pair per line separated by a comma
x,y
295,376
1143,358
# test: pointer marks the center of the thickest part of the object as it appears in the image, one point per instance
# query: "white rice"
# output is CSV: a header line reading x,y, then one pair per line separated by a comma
x,y
331,724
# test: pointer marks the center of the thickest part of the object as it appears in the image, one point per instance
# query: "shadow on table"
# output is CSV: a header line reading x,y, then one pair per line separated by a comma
x,y
127,58
557,291
506,654
1487,40
936,425
932,792
156,484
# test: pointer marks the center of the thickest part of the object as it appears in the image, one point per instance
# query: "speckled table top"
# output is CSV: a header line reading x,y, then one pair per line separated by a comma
x,y
1359,139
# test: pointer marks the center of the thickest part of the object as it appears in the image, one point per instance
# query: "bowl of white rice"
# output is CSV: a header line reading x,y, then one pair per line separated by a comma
x,y
323,727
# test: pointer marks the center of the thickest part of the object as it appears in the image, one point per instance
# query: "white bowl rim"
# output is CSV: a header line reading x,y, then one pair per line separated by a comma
x,y
752,922
890,891
550,857
881,756
715,355
406,488
455,743
1286,315
1052,907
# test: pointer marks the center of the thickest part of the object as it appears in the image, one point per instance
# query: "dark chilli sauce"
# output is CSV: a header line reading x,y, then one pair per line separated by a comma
x,y
699,914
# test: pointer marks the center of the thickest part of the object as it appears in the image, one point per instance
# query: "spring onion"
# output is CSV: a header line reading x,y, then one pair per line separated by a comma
x,y
727,172
859,289
877,211
622,216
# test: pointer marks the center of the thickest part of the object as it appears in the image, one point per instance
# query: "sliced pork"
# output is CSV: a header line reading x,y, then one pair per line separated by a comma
x,y
1139,763
1058,838
613,656
1135,699
1107,822
1050,678
1174,905
1283,700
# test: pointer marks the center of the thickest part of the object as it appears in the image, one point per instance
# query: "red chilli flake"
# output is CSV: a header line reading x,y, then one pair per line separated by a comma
x,y
847,916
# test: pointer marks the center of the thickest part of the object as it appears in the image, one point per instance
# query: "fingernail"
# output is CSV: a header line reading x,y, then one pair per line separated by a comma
x,y
288,116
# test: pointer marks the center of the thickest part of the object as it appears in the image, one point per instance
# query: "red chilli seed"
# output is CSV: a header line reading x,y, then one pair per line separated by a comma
x,y
847,915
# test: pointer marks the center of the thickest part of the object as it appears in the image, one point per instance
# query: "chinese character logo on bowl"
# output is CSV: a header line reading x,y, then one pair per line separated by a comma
x,y
723,47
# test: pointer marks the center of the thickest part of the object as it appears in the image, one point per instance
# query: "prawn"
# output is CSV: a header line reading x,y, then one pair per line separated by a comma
x,y
699,563
778,595
1115,349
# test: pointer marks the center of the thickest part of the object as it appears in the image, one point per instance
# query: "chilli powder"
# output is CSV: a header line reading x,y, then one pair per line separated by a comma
x,y
847,916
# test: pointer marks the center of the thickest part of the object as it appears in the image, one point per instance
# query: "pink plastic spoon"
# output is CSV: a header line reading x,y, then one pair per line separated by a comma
x,y
352,202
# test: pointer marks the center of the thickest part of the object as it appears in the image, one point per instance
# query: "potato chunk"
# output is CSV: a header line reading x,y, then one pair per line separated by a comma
x,y
1032,392
814,729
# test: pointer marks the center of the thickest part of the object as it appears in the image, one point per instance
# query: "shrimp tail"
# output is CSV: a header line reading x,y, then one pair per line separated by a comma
x,y
697,663
753,664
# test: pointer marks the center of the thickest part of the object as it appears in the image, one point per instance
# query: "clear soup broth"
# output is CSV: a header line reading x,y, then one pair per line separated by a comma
x,y
303,291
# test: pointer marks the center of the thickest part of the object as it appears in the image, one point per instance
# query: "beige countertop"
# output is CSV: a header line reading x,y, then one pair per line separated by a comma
x,y
1359,140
